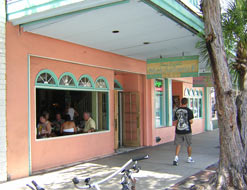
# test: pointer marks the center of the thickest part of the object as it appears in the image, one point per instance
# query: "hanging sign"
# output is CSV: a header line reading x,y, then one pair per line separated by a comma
x,y
203,81
159,85
173,67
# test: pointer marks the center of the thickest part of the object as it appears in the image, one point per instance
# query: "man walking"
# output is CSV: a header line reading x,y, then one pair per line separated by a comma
x,y
183,119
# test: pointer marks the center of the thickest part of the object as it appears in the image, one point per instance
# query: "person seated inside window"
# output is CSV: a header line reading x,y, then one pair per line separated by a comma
x,y
57,123
68,127
90,125
46,114
44,127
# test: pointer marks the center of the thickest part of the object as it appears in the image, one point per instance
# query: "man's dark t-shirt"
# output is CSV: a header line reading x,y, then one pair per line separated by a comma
x,y
183,115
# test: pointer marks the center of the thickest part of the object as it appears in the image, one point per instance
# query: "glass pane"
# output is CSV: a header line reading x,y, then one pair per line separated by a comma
x,y
191,103
187,92
85,82
67,81
60,104
196,111
100,84
200,107
102,111
159,97
45,78
175,105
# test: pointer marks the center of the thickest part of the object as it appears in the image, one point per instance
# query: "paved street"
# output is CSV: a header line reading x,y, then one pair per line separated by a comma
x,y
157,172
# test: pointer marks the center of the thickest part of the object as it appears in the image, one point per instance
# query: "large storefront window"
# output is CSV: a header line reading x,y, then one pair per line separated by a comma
x,y
159,102
69,111
213,104
195,102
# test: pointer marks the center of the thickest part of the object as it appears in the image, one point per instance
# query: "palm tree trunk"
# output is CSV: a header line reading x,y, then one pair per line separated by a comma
x,y
232,120
243,81
241,64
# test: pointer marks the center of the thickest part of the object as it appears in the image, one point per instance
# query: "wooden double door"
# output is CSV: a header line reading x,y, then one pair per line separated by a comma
x,y
127,119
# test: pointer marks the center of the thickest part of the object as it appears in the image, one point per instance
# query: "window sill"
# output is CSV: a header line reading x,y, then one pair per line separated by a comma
x,y
162,127
71,136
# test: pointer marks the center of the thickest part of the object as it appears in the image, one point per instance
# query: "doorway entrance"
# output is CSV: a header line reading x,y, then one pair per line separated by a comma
x,y
127,120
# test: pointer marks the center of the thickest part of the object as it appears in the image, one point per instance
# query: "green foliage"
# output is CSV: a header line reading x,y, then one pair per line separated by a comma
x,y
234,26
234,23
201,45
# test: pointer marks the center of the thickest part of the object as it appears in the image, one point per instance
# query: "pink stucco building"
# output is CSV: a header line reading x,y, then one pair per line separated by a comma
x,y
95,59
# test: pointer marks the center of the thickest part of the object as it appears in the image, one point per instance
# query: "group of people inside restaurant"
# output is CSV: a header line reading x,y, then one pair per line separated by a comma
x,y
64,125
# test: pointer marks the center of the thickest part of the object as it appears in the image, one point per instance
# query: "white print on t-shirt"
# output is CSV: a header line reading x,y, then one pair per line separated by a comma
x,y
183,123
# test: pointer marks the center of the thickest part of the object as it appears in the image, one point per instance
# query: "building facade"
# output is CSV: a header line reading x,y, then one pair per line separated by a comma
x,y
3,144
94,59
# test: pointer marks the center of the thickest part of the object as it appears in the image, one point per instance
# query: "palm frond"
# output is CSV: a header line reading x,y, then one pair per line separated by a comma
x,y
203,52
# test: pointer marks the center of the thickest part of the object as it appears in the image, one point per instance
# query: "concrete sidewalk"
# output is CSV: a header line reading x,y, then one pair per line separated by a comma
x,y
156,173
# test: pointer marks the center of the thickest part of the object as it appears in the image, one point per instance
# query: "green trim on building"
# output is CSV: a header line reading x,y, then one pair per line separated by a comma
x,y
34,7
49,72
89,78
189,74
173,59
156,76
73,78
178,12
106,82
162,104
32,10
118,83
168,99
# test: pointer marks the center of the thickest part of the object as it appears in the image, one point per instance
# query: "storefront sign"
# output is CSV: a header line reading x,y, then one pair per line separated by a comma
x,y
203,81
158,86
174,67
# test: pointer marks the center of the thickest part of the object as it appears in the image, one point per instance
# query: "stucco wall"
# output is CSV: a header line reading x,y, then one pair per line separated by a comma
x,y
77,60
19,45
3,148
167,133
57,151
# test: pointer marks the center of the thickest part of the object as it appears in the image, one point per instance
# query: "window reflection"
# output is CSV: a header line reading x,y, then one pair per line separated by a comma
x,y
61,112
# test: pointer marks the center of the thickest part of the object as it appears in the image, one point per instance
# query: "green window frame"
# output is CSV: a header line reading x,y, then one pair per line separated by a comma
x,y
101,83
47,73
160,97
195,103
56,85
87,83
200,104
186,92
70,77
117,85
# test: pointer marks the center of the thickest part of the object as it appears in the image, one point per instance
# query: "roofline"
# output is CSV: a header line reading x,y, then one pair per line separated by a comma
x,y
179,13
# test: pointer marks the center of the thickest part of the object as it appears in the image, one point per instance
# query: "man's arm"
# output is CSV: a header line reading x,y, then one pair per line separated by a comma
x,y
191,117
175,123
48,128
92,125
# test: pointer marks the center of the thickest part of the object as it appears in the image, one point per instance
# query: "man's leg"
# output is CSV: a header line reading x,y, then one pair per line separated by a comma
x,y
178,147
178,141
188,141
189,150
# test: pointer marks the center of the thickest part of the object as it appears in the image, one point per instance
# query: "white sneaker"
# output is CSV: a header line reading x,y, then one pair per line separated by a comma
x,y
190,160
175,162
